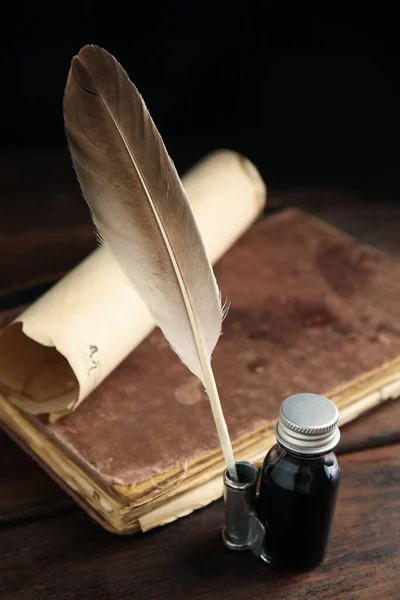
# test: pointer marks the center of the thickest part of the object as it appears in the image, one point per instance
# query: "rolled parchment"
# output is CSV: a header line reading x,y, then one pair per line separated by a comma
x,y
60,349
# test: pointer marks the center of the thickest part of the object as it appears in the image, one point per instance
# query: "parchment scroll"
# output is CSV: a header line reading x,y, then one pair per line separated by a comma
x,y
60,349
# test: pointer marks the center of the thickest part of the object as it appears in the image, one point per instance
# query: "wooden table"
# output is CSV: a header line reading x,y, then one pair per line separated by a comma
x,y
50,549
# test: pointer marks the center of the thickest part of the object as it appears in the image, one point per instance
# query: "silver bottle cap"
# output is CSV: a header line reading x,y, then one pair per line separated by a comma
x,y
308,424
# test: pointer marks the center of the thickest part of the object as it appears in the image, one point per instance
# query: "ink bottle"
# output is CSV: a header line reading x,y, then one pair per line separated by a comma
x,y
299,483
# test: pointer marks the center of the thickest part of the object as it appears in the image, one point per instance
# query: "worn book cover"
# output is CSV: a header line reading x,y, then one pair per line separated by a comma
x,y
311,310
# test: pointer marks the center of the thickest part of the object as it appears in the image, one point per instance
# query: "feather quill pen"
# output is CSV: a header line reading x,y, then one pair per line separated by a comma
x,y
141,211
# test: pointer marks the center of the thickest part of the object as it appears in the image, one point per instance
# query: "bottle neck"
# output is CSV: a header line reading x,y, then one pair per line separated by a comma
x,y
303,456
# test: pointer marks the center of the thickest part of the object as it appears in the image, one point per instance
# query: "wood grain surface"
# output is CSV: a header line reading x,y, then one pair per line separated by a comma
x,y
50,549
68,556
46,229
379,427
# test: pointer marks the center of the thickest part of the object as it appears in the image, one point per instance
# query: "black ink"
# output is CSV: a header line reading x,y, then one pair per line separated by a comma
x,y
297,501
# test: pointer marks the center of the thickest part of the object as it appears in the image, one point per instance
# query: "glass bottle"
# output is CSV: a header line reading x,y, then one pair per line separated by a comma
x,y
299,483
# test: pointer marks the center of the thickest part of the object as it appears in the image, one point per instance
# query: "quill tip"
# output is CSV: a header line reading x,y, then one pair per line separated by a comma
x,y
92,68
79,75
78,71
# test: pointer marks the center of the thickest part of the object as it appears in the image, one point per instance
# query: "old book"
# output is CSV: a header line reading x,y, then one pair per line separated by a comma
x,y
311,310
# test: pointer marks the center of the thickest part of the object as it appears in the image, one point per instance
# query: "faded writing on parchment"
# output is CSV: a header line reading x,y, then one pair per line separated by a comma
x,y
93,349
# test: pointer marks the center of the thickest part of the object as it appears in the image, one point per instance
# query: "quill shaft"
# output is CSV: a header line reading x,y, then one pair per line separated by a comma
x,y
220,423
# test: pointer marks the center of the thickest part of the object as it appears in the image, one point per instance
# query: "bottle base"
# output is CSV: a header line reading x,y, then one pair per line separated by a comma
x,y
292,565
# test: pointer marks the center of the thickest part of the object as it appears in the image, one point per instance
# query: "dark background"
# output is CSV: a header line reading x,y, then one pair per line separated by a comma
x,y
309,97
